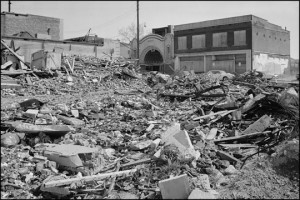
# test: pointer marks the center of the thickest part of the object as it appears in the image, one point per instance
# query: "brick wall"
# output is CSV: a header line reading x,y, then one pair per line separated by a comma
x,y
29,46
12,23
270,41
208,31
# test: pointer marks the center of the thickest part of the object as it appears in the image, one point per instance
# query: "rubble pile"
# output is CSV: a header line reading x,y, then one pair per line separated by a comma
x,y
153,136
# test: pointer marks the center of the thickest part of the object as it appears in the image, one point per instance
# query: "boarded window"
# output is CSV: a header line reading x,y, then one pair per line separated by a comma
x,y
220,39
198,41
181,43
239,38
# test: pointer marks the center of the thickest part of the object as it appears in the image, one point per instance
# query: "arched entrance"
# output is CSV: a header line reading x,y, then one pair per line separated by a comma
x,y
153,60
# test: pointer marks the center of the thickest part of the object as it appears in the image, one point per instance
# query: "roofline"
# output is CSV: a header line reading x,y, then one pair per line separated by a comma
x,y
12,13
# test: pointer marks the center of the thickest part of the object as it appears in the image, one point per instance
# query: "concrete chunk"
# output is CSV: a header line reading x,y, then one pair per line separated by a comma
x,y
230,170
67,154
150,127
181,139
199,194
175,188
250,103
260,125
75,113
31,113
212,134
141,145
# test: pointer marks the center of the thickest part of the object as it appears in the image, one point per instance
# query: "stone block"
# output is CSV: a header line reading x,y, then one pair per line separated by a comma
x,y
175,188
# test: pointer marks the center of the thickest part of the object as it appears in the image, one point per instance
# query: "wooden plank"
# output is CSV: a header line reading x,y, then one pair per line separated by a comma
x,y
138,162
89,178
226,156
6,65
238,145
241,137
223,113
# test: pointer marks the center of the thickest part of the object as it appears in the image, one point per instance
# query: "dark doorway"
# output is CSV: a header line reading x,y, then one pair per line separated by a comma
x,y
152,68
153,60
153,57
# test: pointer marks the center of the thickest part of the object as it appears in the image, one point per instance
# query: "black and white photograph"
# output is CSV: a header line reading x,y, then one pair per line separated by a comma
x,y
149,99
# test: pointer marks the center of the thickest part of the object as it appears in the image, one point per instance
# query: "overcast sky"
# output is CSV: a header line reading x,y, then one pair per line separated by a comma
x,y
105,18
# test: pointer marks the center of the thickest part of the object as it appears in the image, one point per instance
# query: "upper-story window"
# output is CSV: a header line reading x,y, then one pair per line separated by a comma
x,y
220,39
239,38
198,41
182,43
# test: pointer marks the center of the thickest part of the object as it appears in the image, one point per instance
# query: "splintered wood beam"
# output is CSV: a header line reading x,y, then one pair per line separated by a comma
x,y
88,178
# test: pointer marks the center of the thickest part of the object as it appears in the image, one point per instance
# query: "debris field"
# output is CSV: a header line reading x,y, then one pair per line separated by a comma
x,y
103,129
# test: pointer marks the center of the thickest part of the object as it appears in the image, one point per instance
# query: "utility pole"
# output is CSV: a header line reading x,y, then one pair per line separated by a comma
x,y
9,6
138,34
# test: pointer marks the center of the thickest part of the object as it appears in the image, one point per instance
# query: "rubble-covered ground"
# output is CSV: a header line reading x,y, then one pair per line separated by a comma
x,y
132,135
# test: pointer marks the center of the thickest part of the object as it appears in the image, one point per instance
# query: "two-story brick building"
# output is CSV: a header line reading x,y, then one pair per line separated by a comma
x,y
235,44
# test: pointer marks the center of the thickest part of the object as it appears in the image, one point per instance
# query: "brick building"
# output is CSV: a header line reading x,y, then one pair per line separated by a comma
x,y
235,45
37,26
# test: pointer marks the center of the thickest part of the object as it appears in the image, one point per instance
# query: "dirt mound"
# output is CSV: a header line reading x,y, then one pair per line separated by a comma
x,y
259,180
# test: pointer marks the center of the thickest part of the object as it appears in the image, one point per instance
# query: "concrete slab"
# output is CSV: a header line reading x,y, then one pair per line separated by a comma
x,y
67,154
181,139
175,187
258,126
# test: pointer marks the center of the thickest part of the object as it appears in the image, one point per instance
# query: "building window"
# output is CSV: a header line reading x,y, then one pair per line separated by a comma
x,y
264,35
182,43
256,33
48,31
198,41
220,39
240,38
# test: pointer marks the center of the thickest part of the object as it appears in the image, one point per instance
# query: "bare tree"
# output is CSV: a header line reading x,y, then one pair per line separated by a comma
x,y
128,33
